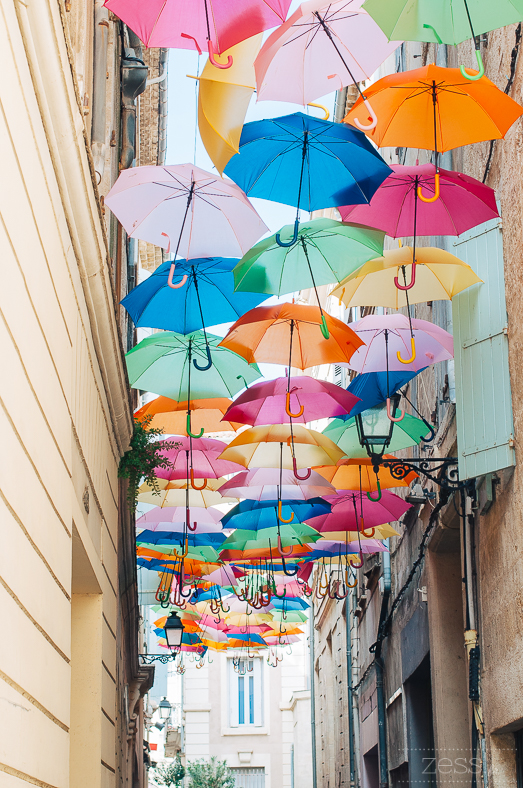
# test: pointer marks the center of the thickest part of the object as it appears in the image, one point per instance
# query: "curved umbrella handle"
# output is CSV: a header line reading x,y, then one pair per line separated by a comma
x,y
436,191
358,566
194,526
324,327
432,432
170,279
481,69
193,485
287,572
280,518
186,35
296,474
412,277
182,555
369,496
188,428
280,549
240,377
294,238
390,416
320,106
288,407
209,361
210,49
374,119
350,585
413,356
281,596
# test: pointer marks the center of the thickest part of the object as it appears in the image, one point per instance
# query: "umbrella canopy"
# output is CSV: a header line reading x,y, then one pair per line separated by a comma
x,y
159,519
207,298
322,47
267,538
160,364
281,445
259,515
463,203
437,276
199,455
386,336
171,416
359,474
223,99
171,538
326,251
291,334
325,548
436,109
174,494
373,388
263,484
347,512
180,205
384,531
267,402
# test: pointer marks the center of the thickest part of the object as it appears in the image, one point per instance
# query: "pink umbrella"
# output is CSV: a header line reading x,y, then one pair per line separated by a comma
x,y
463,203
215,25
169,518
188,206
272,402
261,484
196,458
390,337
322,47
347,513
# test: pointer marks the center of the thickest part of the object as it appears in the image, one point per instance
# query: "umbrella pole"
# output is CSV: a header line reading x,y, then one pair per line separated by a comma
x,y
288,411
207,348
188,424
173,264
294,238
324,328
481,68
406,287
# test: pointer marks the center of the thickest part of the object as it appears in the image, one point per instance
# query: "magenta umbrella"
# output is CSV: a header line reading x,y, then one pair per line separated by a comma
x,y
463,203
390,339
196,458
173,518
214,25
349,509
272,402
326,547
263,484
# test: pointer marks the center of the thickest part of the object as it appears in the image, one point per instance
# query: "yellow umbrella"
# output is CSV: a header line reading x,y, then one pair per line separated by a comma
x,y
223,101
380,532
439,275
173,493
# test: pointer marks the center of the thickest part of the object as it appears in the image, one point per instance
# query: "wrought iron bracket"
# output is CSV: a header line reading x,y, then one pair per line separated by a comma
x,y
443,471
148,659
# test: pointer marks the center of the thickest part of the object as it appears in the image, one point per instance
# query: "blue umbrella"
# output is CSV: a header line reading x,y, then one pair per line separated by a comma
x,y
173,538
308,163
372,389
256,515
206,297
289,603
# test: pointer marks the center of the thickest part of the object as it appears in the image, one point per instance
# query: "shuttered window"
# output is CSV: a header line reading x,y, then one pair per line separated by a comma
x,y
483,396
248,778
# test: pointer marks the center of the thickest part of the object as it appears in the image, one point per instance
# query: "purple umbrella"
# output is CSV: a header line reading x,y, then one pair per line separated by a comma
x,y
196,458
349,509
173,518
272,402
327,547
263,484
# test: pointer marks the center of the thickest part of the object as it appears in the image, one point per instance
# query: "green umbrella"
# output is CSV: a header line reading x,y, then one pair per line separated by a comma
x,y
197,553
267,538
164,363
443,21
326,252
407,432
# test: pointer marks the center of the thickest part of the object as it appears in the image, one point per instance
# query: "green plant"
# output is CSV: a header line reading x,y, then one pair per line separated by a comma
x,y
170,774
210,774
144,455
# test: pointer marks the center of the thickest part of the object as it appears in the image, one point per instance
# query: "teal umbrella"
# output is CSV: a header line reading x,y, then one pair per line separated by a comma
x,y
325,252
177,366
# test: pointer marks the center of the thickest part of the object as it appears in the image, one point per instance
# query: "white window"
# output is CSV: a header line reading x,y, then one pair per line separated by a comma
x,y
245,692
248,778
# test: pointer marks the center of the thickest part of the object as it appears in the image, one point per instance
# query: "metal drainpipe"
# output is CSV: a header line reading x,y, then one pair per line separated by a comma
x,y
382,726
98,122
339,106
313,705
348,638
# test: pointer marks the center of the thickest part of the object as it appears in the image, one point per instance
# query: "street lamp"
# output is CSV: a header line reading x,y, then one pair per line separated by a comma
x,y
375,429
173,634
165,708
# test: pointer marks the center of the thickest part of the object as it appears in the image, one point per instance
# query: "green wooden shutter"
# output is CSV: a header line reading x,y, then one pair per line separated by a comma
x,y
483,396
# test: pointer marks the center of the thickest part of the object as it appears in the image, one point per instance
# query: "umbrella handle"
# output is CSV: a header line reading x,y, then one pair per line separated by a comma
x,y
481,69
408,360
324,327
432,432
374,119
186,35
286,572
350,585
209,361
413,273
369,496
340,300
294,238
320,106
170,279
280,518
182,555
281,596
188,428
436,191
390,416
288,407
280,549
210,49
193,485
296,474
195,525
358,566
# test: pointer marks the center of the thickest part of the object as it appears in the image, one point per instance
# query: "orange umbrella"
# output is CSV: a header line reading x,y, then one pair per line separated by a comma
x,y
436,109
293,334
359,474
171,416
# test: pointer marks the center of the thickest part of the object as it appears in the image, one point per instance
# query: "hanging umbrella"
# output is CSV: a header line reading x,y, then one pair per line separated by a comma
x,y
326,548
263,484
196,458
171,416
435,275
384,531
177,207
174,493
223,99
214,25
257,544
177,539
325,252
348,511
373,388
359,474
249,641
259,515
271,402
322,47
390,337
158,519
205,297
267,333
307,163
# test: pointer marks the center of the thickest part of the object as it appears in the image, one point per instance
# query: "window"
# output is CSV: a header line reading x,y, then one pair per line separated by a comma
x,y
245,692
249,778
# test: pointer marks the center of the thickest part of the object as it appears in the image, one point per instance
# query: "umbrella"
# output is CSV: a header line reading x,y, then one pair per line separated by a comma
x,y
215,25
170,519
384,531
257,543
195,458
326,251
259,515
173,538
435,275
307,163
263,484
325,548
266,333
249,641
171,416
271,402
373,388
347,513
207,298
322,47
387,337
359,474
184,204
223,99
172,493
